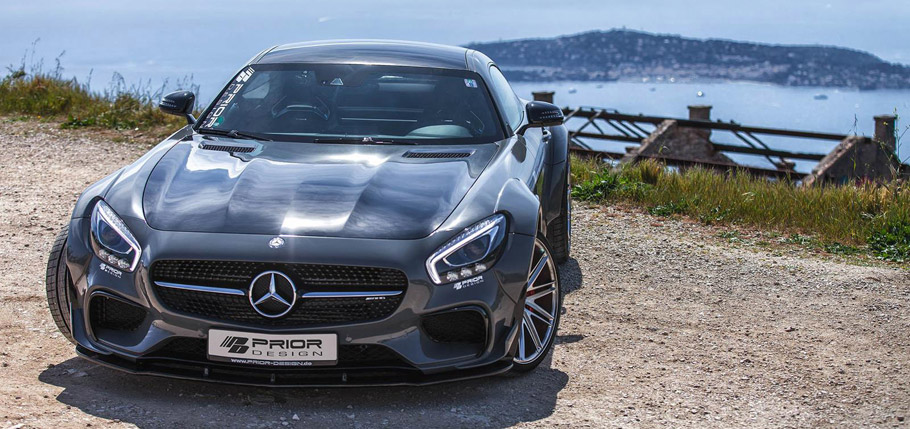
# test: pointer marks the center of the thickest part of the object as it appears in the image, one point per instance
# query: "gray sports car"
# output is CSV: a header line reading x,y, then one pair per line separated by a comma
x,y
344,213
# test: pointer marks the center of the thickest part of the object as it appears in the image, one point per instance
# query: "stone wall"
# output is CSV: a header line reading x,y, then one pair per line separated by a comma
x,y
670,140
860,158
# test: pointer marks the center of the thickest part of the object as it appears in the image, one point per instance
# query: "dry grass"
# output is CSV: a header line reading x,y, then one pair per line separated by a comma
x,y
872,215
34,92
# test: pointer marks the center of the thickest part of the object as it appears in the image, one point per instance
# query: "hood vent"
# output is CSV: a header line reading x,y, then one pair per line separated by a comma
x,y
227,148
438,155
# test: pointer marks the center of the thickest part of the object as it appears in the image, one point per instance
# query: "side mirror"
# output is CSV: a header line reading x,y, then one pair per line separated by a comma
x,y
542,114
179,103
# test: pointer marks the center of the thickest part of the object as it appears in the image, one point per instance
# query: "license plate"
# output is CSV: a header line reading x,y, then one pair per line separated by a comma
x,y
273,349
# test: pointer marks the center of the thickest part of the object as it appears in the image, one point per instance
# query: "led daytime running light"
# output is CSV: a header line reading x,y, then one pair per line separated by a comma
x,y
106,214
489,226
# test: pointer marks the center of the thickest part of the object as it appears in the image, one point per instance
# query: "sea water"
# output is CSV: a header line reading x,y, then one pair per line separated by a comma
x,y
830,110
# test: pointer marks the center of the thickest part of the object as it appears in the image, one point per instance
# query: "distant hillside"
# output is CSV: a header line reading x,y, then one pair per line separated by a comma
x,y
622,54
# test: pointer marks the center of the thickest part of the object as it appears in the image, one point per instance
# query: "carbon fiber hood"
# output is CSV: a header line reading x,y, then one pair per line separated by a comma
x,y
356,191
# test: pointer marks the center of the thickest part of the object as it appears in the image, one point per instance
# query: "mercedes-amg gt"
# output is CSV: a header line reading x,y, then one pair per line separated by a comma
x,y
343,213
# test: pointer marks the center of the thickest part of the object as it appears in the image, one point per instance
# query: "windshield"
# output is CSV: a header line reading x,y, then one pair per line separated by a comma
x,y
355,103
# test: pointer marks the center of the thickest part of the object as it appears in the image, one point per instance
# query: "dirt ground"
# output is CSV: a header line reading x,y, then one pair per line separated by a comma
x,y
665,325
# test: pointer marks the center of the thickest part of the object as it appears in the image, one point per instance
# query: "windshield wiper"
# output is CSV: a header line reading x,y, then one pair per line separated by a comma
x,y
360,140
233,134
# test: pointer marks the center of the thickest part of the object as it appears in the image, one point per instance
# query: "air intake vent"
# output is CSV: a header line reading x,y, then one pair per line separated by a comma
x,y
110,313
227,148
437,155
459,326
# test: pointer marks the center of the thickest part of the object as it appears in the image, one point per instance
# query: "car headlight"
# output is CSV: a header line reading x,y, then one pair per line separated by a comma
x,y
112,240
470,253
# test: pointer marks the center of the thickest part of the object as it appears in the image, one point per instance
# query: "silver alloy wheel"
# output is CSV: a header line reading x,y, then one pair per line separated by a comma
x,y
541,306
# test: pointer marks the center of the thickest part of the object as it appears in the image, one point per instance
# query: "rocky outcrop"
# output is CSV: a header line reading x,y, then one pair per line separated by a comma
x,y
623,54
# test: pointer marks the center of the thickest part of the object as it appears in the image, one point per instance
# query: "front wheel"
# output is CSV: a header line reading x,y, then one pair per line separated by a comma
x,y
542,305
58,285
560,233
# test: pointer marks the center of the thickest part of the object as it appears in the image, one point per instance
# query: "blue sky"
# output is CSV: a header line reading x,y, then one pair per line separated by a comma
x,y
176,38
873,25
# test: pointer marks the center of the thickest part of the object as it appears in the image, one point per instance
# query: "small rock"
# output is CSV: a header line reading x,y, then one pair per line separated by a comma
x,y
295,417
789,329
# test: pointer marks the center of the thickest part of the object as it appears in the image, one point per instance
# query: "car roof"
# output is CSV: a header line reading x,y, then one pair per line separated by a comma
x,y
385,52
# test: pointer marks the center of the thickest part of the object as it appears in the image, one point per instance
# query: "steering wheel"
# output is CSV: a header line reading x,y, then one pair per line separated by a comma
x,y
472,123
320,112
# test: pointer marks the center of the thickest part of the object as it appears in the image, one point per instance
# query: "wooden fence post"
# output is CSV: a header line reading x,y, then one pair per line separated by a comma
x,y
546,96
885,137
700,113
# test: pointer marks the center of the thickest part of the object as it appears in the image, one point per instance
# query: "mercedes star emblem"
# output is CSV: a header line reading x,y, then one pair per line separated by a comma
x,y
272,294
276,243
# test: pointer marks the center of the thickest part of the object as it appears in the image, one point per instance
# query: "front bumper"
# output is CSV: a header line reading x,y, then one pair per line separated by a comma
x,y
419,358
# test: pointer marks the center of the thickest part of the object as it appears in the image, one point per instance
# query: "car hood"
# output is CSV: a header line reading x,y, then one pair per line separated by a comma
x,y
333,190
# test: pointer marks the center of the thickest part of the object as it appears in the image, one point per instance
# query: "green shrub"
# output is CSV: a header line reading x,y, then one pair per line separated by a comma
x,y
841,249
891,241
669,209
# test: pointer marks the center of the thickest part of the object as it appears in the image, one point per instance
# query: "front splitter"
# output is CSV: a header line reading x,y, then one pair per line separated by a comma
x,y
214,372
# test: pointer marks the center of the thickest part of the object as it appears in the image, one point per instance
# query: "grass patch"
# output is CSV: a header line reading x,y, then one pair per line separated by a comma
x,y
669,209
840,220
891,241
37,93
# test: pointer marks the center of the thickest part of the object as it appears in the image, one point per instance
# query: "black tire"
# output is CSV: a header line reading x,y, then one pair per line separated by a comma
x,y
556,301
560,233
59,285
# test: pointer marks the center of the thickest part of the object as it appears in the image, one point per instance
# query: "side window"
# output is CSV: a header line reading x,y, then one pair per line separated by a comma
x,y
506,98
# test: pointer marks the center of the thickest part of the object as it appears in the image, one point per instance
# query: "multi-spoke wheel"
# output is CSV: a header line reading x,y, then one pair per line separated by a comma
x,y
540,315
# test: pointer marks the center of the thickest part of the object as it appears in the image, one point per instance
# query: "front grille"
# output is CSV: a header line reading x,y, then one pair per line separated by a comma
x,y
110,313
460,326
307,312
375,355
307,278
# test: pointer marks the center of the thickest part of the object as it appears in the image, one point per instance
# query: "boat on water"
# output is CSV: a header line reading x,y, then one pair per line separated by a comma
x,y
820,97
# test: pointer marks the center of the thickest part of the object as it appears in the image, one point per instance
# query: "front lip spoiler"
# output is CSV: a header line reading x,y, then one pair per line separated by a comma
x,y
252,376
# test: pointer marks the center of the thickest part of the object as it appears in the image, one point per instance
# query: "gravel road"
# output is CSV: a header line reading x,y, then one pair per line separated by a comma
x,y
666,325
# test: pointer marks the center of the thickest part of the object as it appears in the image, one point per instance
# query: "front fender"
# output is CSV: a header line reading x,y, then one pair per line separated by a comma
x,y
559,144
126,181
97,190
521,204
